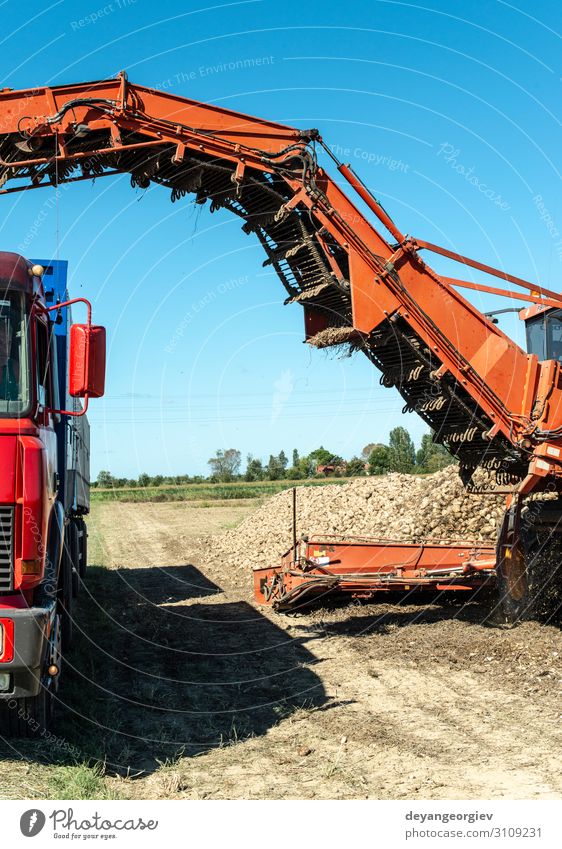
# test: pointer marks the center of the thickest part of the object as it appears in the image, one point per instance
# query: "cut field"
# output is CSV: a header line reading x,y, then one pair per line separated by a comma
x,y
235,491
180,687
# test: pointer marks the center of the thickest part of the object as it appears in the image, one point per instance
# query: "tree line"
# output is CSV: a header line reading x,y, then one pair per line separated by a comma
x,y
399,455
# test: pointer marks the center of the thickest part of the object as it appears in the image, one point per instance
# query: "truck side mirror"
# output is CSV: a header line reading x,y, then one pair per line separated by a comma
x,y
86,361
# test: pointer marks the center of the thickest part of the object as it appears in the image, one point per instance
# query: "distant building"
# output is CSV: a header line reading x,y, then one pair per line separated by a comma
x,y
331,469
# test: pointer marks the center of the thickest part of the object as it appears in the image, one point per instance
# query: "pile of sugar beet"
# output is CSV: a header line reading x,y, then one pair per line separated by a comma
x,y
403,507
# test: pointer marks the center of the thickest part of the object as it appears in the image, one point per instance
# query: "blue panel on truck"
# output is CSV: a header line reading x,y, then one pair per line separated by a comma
x,y
55,287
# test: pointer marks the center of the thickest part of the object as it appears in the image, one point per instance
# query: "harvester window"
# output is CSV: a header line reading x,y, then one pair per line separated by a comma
x,y
536,337
544,335
14,383
554,338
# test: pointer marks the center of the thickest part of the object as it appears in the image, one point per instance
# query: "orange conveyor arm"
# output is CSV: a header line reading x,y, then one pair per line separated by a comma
x,y
492,404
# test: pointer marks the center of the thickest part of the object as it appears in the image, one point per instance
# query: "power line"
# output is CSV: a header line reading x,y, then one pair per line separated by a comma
x,y
220,419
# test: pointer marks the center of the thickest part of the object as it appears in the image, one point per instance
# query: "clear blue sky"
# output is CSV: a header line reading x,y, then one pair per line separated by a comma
x,y
449,110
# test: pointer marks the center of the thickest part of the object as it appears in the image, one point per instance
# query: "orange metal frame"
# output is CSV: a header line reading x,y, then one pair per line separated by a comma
x,y
321,565
505,382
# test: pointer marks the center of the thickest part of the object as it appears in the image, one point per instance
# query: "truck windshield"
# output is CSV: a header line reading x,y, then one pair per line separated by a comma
x,y
14,372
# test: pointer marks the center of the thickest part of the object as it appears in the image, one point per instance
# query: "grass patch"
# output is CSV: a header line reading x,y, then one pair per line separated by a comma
x,y
204,492
80,782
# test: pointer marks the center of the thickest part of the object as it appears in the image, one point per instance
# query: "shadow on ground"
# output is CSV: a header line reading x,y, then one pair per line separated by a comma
x,y
397,610
160,669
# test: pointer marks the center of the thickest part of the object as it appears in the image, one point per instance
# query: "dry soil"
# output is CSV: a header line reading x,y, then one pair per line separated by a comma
x,y
204,695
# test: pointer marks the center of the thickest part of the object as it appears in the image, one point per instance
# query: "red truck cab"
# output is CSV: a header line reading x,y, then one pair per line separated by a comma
x,y
46,366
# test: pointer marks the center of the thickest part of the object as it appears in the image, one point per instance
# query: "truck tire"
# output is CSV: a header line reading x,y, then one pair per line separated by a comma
x,y
28,717
529,573
83,546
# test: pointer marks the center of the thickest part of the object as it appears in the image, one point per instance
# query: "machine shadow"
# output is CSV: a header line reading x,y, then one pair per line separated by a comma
x,y
397,611
159,670
365,619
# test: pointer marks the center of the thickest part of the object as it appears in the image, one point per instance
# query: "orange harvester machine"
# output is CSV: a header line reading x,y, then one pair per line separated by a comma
x,y
496,407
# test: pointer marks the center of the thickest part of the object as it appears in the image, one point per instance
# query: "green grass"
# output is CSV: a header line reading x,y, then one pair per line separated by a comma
x,y
80,782
205,491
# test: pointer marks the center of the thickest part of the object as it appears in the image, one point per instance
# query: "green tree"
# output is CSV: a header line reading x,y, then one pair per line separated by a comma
x,y
295,457
401,451
274,471
379,460
321,456
254,469
424,451
307,466
355,466
282,460
440,459
432,457
105,479
144,479
225,464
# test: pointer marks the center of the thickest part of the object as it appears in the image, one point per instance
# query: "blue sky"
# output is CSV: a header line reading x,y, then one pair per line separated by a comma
x,y
450,113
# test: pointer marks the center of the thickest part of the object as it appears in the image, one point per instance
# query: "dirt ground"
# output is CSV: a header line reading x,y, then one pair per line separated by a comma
x,y
183,688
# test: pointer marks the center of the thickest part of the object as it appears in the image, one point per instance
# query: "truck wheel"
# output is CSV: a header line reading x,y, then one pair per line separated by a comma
x,y
529,573
83,546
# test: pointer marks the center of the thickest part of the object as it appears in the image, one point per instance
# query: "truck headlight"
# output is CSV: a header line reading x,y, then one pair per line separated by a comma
x,y
5,685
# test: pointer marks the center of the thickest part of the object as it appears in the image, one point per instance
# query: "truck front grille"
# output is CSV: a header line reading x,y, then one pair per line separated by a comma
x,y
6,548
